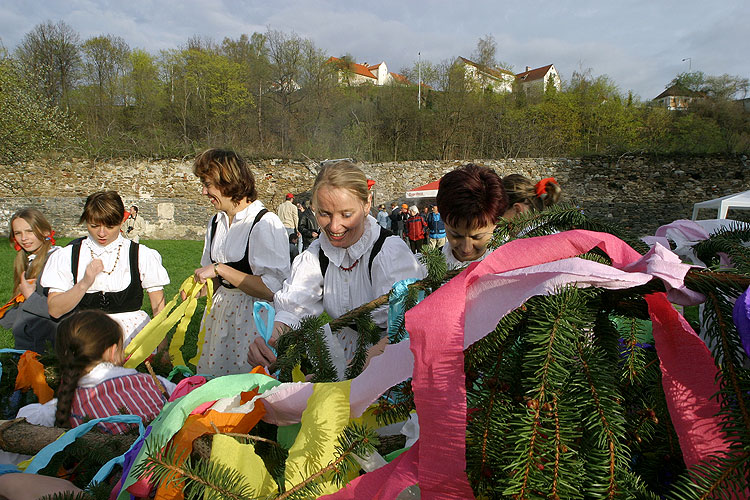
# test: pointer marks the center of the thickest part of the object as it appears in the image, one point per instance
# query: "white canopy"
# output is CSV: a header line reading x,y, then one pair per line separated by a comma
x,y
723,204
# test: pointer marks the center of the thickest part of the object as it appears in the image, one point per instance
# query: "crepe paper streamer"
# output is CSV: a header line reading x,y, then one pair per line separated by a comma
x,y
9,351
227,451
326,416
471,305
187,385
741,317
147,340
129,457
174,414
264,329
297,374
18,299
42,459
31,375
180,370
397,302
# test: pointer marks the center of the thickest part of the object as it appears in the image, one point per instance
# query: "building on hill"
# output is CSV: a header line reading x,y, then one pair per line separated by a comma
x,y
678,98
495,79
353,74
538,80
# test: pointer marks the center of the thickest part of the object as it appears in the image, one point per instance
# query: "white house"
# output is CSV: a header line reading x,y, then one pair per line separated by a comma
x,y
359,74
537,80
677,98
495,79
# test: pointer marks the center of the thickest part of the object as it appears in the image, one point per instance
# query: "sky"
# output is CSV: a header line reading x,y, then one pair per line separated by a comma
x,y
639,44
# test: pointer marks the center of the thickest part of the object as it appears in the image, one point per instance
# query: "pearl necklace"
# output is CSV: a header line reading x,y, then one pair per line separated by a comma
x,y
117,259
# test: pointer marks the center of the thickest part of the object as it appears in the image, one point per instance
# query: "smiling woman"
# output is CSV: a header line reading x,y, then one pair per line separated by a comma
x,y
246,253
355,262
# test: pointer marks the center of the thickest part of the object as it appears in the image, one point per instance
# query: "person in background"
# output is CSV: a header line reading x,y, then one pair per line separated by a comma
x,y
415,229
436,228
524,195
245,252
106,271
403,215
394,215
382,217
353,262
293,247
308,225
133,226
32,237
288,214
471,199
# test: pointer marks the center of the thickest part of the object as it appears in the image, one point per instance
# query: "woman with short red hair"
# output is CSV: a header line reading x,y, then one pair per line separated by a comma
x,y
471,199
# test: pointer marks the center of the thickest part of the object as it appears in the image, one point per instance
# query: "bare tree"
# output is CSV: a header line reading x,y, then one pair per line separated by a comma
x,y
51,51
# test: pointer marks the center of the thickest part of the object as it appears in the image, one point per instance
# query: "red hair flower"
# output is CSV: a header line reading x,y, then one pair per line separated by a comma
x,y
370,184
51,237
541,186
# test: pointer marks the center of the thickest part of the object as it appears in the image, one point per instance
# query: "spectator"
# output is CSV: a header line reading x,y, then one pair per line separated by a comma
x,y
133,226
383,219
293,247
436,228
288,214
415,227
308,226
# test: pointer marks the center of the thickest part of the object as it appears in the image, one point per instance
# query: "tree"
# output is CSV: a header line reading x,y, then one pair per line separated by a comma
x,y
30,125
50,53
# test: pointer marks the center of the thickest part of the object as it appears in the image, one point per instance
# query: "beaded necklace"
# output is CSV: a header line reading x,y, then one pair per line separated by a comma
x,y
350,267
117,259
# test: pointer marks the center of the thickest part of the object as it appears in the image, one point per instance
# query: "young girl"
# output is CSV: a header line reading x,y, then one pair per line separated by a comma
x,y
104,270
32,237
93,384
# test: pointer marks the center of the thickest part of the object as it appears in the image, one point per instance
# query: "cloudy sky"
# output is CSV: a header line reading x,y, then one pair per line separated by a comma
x,y
639,44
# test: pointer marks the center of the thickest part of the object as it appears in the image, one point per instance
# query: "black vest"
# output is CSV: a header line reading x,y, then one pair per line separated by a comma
x,y
130,299
243,264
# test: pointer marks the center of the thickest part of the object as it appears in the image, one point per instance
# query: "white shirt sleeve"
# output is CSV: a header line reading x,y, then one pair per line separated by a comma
x,y
57,275
395,262
153,275
302,294
269,251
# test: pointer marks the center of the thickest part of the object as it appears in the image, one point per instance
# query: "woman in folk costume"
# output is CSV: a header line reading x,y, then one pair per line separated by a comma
x,y
104,270
471,199
246,253
354,262
33,239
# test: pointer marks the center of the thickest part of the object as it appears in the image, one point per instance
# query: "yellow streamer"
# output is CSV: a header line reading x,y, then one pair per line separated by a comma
x,y
147,340
242,457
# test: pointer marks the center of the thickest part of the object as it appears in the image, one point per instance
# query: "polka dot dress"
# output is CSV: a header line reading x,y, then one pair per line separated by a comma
x,y
230,329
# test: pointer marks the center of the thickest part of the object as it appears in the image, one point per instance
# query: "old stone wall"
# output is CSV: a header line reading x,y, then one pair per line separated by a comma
x,y
639,192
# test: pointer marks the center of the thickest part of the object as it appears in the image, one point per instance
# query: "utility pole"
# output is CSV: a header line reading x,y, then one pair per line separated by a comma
x,y
690,63
419,81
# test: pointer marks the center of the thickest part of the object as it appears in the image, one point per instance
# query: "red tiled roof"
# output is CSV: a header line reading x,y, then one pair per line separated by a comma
x,y
533,74
358,69
400,79
496,73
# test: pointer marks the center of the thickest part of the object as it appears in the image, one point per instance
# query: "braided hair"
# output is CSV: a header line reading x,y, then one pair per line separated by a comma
x,y
82,339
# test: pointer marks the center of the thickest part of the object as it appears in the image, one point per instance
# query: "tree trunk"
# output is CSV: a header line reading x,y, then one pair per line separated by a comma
x,y
19,436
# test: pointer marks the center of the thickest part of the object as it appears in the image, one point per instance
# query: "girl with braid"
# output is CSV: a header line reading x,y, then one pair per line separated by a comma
x,y
93,384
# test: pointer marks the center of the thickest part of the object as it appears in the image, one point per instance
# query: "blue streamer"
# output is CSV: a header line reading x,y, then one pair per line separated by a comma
x,y
397,302
264,329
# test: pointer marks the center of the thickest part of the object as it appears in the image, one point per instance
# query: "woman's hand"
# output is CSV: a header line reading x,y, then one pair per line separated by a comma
x,y
259,353
26,287
202,274
92,271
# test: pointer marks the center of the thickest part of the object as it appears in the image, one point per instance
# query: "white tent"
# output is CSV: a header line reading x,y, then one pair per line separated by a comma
x,y
722,205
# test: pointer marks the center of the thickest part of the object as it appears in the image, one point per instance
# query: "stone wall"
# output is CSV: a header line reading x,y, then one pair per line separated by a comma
x,y
639,192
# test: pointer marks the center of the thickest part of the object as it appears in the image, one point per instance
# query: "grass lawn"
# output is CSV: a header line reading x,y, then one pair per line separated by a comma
x,y
180,258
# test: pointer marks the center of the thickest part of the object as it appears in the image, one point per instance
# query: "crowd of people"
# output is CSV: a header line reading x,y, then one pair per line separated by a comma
x,y
329,253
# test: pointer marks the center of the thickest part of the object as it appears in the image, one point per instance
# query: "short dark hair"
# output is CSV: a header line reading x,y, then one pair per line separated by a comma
x,y
228,171
471,196
103,207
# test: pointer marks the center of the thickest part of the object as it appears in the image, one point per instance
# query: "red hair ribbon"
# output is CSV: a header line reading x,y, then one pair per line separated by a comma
x,y
16,245
370,184
541,186
125,216
51,237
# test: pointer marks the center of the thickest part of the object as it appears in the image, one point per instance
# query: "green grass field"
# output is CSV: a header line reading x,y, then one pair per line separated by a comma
x,y
180,258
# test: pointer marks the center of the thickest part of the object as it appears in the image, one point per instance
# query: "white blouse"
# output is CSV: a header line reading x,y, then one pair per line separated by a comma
x,y
268,244
307,293
453,262
58,277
